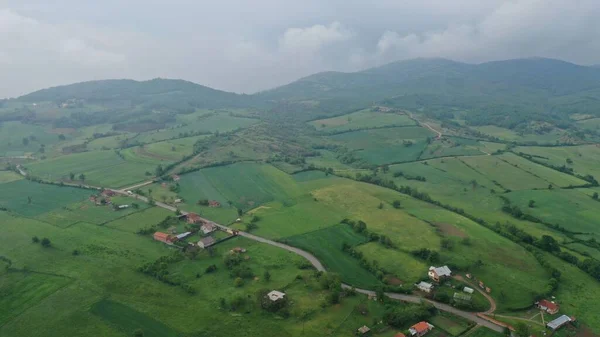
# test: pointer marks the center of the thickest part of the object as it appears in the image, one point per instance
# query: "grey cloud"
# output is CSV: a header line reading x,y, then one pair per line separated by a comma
x,y
247,46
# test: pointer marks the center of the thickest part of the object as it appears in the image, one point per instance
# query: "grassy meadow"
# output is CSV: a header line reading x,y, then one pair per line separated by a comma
x,y
364,119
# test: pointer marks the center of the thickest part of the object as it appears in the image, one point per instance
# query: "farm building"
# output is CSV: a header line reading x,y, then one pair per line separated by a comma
x,y
557,323
424,286
420,329
462,297
193,218
438,273
183,235
178,201
275,295
206,242
363,330
549,307
208,228
468,290
164,237
214,203
123,206
108,193
175,177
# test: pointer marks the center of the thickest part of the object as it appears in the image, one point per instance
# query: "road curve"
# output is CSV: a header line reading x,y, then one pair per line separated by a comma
x,y
319,266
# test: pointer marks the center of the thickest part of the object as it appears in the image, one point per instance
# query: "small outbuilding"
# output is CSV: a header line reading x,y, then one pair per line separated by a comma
x,y
275,295
164,237
206,242
468,290
425,286
560,321
363,330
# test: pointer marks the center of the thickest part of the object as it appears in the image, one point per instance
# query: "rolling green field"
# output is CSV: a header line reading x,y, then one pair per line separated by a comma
x,y
12,134
101,168
44,198
326,245
8,176
452,146
384,146
571,209
138,220
129,320
402,265
364,119
551,176
585,159
510,135
505,174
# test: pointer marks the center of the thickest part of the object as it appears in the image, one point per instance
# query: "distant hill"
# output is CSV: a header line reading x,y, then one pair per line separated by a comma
x,y
502,92
152,93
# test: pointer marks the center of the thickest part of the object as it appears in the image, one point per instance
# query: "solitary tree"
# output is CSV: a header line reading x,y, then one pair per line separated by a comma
x,y
46,242
595,196
28,200
267,276
72,176
61,137
35,239
396,204
82,177
531,203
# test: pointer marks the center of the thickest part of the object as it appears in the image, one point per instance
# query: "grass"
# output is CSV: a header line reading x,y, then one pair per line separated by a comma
x,y
454,325
101,168
386,145
485,332
549,175
326,245
363,119
44,198
571,209
12,134
400,264
21,290
451,146
86,211
510,135
129,320
9,176
507,175
585,158
138,220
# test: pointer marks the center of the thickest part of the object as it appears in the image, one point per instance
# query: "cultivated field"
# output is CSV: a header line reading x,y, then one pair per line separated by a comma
x,y
364,119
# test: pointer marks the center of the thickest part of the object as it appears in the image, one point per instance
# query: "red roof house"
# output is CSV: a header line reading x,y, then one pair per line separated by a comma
x,y
193,218
549,307
164,237
420,329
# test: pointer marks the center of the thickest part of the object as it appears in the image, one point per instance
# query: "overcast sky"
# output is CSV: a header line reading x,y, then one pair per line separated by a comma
x,y
251,45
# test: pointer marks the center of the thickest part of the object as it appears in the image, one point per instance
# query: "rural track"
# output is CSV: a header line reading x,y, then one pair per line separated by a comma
x,y
319,266
486,295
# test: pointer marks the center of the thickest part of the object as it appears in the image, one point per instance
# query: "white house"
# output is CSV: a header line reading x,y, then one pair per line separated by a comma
x,y
424,286
275,295
438,273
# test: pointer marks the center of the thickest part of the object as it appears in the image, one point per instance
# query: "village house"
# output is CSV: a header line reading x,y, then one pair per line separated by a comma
x,y
439,273
275,295
206,242
424,286
557,323
164,237
549,307
214,203
208,228
420,329
363,330
193,218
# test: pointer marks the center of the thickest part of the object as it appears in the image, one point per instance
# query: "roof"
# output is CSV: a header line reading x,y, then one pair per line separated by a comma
x,y
161,236
207,241
557,323
183,235
461,296
364,329
425,285
441,271
399,334
275,295
193,216
547,304
421,327
468,290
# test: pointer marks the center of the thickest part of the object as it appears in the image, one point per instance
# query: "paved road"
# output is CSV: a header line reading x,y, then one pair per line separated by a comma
x,y
319,266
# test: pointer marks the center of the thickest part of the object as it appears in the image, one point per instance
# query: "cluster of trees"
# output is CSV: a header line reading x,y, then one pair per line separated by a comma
x,y
360,227
159,270
45,242
400,316
409,177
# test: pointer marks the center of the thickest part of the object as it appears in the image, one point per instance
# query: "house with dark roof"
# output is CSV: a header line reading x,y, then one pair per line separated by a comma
x,y
439,273
420,329
206,242
548,306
